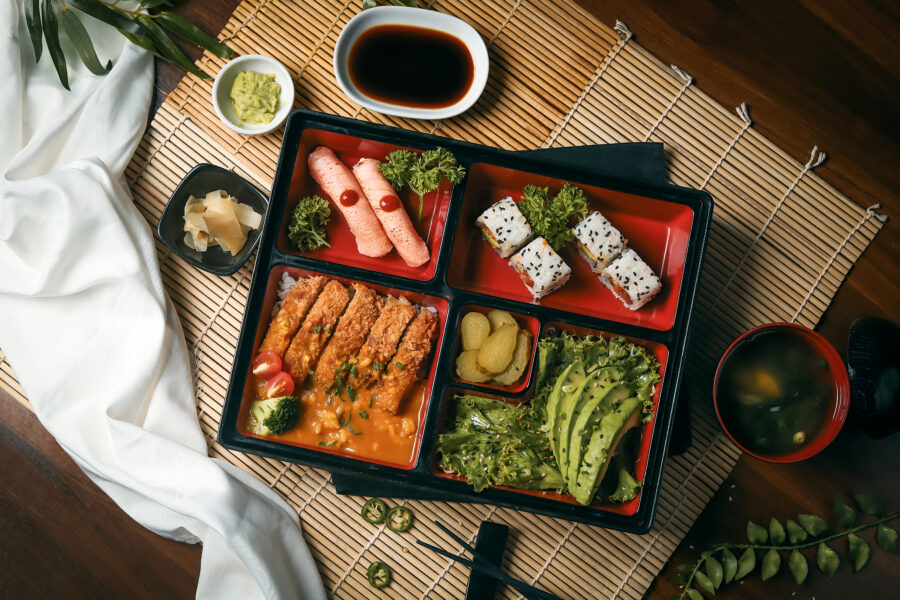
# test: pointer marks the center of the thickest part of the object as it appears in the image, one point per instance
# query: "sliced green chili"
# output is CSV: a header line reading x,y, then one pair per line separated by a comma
x,y
379,575
400,366
351,393
353,431
377,366
363,414
317,329
374,511
399,519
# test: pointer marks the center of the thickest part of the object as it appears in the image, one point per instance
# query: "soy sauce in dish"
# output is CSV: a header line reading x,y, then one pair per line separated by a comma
x,y
775,393
411,66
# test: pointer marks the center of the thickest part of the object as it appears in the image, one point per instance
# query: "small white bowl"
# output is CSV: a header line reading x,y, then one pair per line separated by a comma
x,y
416,17
221,92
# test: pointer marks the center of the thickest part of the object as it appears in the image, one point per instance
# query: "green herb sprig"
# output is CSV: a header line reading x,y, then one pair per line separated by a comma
x,y
308,222
551,218
728,562
373,3
149,31
423,173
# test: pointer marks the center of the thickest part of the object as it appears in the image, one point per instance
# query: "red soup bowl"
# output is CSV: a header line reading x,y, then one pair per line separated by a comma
x,y
840,402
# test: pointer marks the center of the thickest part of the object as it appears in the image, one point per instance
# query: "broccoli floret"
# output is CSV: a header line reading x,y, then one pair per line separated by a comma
x,y
273,415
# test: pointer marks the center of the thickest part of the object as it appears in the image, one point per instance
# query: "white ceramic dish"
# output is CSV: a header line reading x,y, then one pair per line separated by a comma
x,y
416,17
221,91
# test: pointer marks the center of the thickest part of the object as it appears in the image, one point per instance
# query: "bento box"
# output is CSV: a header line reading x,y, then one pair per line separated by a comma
x,y
380,433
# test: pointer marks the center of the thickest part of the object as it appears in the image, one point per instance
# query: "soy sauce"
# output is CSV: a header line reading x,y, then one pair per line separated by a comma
x,y
411,66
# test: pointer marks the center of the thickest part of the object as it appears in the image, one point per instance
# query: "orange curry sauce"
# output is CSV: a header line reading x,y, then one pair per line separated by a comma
x,y
383,437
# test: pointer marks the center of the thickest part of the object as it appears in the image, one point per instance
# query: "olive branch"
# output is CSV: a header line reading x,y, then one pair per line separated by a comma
x,y
709,572
149,30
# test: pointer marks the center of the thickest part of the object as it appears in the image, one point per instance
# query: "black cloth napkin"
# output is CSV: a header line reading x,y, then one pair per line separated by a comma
x,y
644,162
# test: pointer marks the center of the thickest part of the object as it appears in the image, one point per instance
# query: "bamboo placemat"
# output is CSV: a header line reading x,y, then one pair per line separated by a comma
x,y
781,244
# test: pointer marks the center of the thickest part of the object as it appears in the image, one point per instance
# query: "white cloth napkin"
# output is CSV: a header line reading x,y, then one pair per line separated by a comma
x,y
91,334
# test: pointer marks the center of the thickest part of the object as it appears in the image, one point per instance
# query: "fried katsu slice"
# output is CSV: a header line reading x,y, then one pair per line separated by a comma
x,y
403,368
382,341
349,336
293,308
306,347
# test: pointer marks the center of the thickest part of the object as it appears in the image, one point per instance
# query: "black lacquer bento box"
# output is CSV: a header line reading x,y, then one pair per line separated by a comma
x,y
667,225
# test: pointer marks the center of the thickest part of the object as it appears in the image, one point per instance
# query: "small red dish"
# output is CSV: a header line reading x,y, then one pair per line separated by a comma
x,y
438,304
660,351
343,244
837,413
657,230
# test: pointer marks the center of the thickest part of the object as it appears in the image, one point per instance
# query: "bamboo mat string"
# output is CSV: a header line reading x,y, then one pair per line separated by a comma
x,y
572,527
687,80
624,36
743,111
869,214
314,495
321,41
506,21
816,158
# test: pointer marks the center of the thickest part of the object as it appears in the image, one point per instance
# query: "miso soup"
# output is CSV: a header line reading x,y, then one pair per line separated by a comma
x,y
775,392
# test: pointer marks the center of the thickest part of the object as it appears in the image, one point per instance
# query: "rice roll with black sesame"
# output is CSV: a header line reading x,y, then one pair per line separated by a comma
x,y
542,270
631,280
505,227
599,242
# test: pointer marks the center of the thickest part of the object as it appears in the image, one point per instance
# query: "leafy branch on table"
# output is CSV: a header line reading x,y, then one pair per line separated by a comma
x,y
727,562
146,26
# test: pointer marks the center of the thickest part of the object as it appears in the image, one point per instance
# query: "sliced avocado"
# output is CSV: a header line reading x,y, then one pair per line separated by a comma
x,y
565,389
588,419
601,447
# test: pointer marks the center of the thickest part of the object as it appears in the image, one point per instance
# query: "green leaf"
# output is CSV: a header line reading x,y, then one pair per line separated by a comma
x,y
730,565
49,20
169,49
33,20
886,538
844,515
859,552
190,32
770,564
814,525
796,534
869,504
693,594
143,41
714,571
701,578
369,4
409,3
746,563
757,534
827,560
79,37
148,4
680,579
110,16
798,565
685,567
776,531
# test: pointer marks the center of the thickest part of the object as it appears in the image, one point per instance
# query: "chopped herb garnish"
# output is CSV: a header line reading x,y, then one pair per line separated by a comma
x,y
339,411
353,371
371,400
346,421
310,373
551,218
422,172
317,329
377,366
363,414
353,431
400,366
351,392
328,444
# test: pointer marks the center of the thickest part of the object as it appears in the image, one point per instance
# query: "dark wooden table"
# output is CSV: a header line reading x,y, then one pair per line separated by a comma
x,y
825,73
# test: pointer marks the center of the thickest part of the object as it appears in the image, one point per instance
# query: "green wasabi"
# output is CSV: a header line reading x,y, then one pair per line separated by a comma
x,y
255,97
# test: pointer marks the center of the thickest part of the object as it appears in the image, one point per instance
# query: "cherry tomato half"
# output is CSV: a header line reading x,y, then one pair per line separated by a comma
x,y
279,385
266,364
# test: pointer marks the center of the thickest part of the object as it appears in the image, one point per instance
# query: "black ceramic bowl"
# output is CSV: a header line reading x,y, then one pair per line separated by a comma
x,y
202,179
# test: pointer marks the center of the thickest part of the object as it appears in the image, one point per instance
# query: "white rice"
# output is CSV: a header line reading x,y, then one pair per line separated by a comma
x,y
599,242
634,276
284,286
546,269
506,224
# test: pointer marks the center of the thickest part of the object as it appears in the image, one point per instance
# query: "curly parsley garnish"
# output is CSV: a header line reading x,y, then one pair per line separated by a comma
x,y
308,221
550,218
423,173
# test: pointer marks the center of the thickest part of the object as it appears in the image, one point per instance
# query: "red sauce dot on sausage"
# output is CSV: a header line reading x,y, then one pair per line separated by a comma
x,y
349,198
389,203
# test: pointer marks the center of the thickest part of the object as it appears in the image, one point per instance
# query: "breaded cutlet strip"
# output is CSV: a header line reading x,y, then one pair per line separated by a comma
x,y
403,368
293,308
306,347
382,341
349,336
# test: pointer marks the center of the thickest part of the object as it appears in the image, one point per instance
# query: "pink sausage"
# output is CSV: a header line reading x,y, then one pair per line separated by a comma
x,y
342,188
395,221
